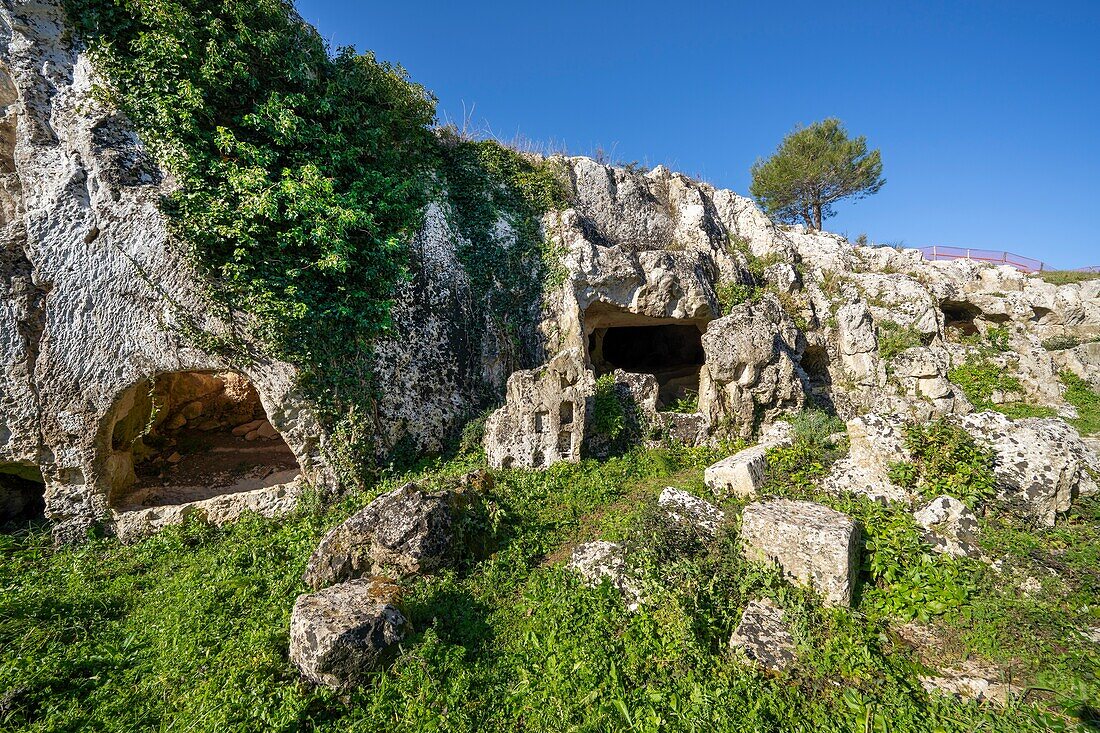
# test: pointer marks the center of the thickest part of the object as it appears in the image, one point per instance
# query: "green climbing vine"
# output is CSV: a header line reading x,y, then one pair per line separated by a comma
x,y
301,175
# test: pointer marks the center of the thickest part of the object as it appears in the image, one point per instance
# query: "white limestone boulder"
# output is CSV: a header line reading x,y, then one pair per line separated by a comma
x,y
1040,464
596,561
949,526
684,508
813,544
763,637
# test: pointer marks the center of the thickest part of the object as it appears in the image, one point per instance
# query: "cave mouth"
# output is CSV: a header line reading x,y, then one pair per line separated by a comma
x,y
959,317
187,436
22,494
671,352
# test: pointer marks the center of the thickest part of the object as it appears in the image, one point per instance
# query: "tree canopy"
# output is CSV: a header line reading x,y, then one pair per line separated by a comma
x,y
813,168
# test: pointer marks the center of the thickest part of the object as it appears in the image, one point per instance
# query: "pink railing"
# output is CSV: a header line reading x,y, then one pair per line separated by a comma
x,y
1025,264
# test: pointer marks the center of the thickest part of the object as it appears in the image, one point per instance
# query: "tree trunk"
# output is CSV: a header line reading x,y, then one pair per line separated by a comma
x,y
817,215
806,218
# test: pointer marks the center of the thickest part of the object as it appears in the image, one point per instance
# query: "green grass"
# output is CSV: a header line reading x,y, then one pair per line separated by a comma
x,y
1085,399
893,338
188,629
1066,277
979,377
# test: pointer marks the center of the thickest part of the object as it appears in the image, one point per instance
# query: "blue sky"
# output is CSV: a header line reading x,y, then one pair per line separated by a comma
x,y
987,113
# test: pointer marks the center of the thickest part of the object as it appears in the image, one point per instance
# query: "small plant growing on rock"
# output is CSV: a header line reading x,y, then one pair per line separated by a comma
x,y
687,404
894,338
999,339
1085,399
608,415
731,295
946,460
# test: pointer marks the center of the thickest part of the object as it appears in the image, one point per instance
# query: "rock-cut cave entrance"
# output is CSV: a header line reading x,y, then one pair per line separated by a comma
x,y
671,352
186,436
22,493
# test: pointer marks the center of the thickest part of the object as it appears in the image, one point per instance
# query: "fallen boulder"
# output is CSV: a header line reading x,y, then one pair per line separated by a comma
x,y
684,508
949,526
813,544
595,561
763,637
342,633
406,531
1040,464
743,473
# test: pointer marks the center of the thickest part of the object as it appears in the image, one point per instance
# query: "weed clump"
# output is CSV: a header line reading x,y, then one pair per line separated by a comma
x,y
946,460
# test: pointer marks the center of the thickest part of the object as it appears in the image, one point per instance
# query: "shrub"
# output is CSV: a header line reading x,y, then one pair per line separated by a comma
x,y
731,295
608,413
979,377
946,460
688,404
999,339
814,426
1059,343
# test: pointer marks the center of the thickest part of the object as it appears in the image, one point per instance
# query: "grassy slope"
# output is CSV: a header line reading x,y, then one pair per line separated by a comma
x,y
188,630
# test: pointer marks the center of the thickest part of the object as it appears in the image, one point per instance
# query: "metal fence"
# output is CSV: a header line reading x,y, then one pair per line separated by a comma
x,y
1025,264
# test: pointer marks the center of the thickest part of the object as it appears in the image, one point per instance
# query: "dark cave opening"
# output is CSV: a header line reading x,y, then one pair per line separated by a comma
x,y
22,494
959,317
187,436
673,353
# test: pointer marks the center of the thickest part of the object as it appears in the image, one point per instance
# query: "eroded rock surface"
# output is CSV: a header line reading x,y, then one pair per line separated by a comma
x,y
813,544
949,526
763,636
341,634
1041,464
600,560
404,532
684,508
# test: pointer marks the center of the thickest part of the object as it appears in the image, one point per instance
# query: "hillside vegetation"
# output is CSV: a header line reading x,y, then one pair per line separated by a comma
x,y
188,630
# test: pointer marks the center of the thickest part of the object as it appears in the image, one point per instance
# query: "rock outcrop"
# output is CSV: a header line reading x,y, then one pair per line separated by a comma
x,y
711,318
813,544
1041,464
949,527
96,299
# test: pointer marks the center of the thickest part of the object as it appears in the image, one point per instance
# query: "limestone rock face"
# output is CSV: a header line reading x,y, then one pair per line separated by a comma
x,y
684,508
88,276
401,533
923,374
1040,463
96,299
949,526
763,637
813,544
544,418
751,362
339,635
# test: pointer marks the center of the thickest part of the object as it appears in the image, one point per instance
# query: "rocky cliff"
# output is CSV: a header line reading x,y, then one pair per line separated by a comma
x,y
708,317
